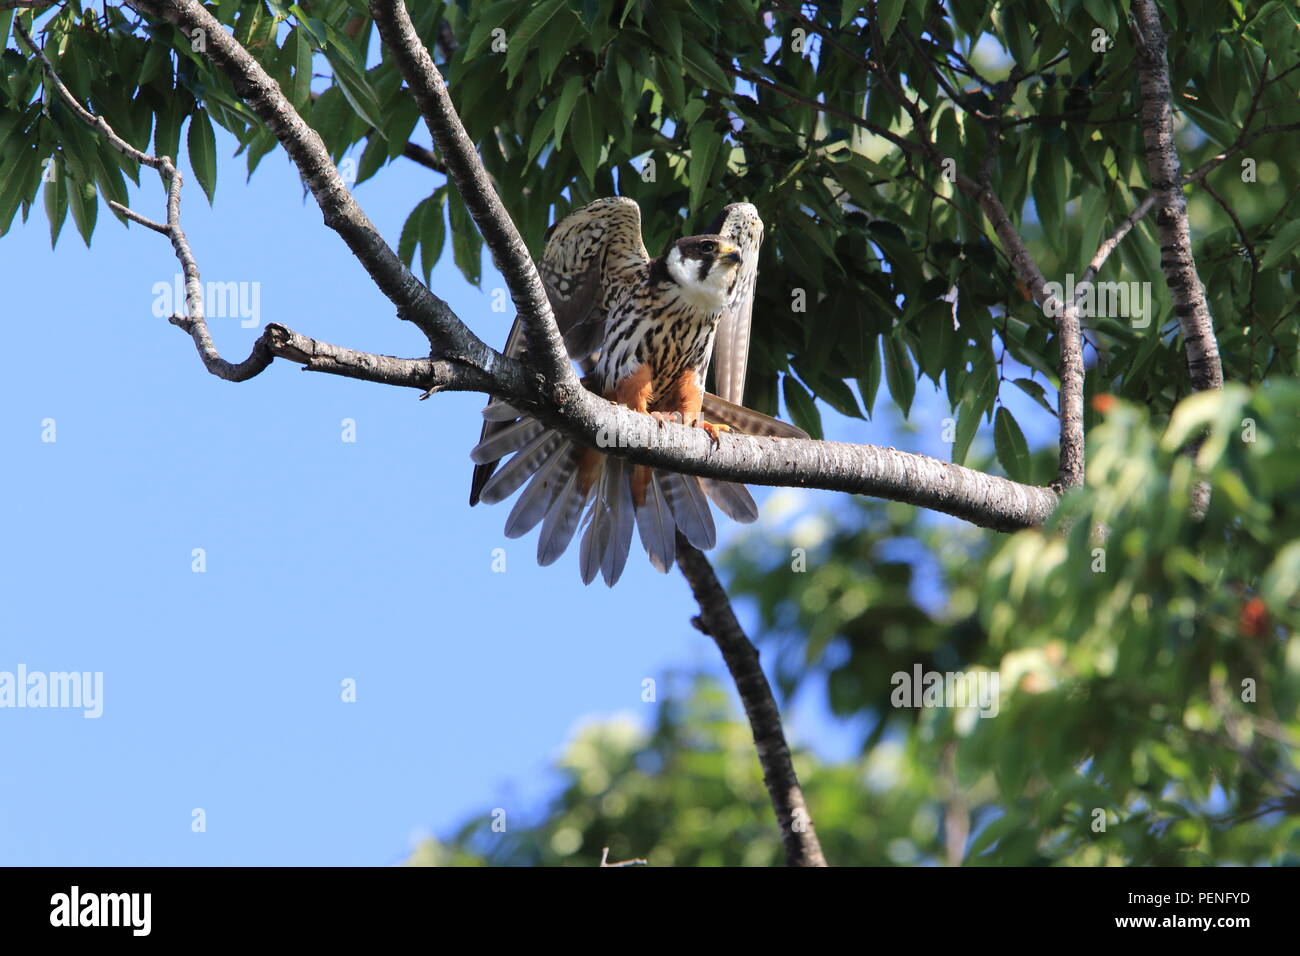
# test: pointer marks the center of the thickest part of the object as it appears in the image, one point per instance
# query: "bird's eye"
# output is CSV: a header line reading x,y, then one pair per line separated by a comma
x,y
708,246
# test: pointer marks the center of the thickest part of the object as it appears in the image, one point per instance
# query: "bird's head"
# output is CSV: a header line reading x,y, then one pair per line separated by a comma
x,y
705,268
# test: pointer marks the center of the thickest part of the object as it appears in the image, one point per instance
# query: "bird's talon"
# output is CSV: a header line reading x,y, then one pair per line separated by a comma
x,y
712,429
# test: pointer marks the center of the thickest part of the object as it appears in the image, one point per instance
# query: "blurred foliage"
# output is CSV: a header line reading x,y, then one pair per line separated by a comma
x,y
690,793
1149,674
1149,662
876,268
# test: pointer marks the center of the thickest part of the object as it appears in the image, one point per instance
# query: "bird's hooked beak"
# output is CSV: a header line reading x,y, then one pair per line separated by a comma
x,y
729,254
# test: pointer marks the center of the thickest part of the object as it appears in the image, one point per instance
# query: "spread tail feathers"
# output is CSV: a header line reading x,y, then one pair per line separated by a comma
x,y
559,487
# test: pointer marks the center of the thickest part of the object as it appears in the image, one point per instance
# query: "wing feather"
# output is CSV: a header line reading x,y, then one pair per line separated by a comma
x,y
588,264
740,223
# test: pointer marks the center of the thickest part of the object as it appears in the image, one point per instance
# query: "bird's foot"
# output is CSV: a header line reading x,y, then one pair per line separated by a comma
x,y
712,429
672,418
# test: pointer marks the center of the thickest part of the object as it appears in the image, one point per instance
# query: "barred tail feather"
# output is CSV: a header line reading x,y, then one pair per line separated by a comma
x,y
596,538
561,521
621,518
524,464
508,439
689,507
732,499
498,411
541,491
654,522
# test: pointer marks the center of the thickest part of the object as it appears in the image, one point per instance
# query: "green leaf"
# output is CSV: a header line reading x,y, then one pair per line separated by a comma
x,y
202,146
542,129
1034,391
410,238
1012,449
702,66
524,37
705,144
888,13
968,423
837,395
56,199
555,44
372,159
564,109
1104,12
356,89
23,167
169,117
803,410
1050,186
433,232
1287,238
869,381
1279,585
466,243
586,142
300,92
84,204
899,373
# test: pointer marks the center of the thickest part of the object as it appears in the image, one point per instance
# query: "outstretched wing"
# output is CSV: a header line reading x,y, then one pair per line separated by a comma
x,y
592,258
738,222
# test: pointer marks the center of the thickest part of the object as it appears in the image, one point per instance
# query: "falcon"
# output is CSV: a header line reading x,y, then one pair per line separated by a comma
x,y
643,332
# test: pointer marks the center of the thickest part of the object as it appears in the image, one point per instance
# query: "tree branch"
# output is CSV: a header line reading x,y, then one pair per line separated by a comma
x,y
718,621
1164,169
1068,328
546,348
449,336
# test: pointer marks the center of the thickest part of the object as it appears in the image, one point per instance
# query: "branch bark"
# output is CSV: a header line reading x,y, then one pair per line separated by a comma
x,y
1165,171
447,334
465,168
718,621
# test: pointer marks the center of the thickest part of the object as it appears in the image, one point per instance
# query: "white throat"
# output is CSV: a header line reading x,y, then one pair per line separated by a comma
x,y
709,295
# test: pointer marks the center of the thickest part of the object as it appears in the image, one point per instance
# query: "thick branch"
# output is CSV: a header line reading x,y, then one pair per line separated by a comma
x,y
983,499
718,621
1165,172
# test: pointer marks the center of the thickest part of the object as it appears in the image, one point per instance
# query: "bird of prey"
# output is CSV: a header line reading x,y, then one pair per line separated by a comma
x,y
643,331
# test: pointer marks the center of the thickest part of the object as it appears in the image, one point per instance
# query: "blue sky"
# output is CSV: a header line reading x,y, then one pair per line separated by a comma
x,y
326,561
